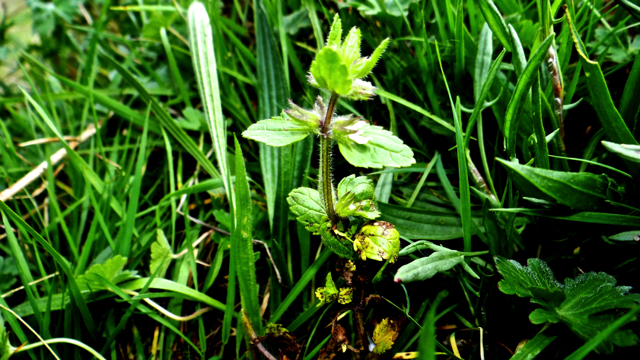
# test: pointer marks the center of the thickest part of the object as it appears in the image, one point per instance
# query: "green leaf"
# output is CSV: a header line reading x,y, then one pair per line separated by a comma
x,y
496,22
515,106
160,254
356,196
111,270
242,243
328,293
278,131
335,34
585,304
373,147
350,49
612,123
633,235
583,191
205,68
629,152
328,72
629,104
306,205
424,268
373,59
421,224
337,243
533,347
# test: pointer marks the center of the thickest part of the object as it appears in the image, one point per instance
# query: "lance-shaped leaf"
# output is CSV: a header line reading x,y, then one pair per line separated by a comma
x,y
586,304
365,145
629,152
421,224
356,196
306,205
278,131
335,34
583,191
442,259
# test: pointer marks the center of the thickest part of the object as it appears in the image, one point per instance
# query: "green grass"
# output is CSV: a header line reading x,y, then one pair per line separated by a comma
x,y
463,83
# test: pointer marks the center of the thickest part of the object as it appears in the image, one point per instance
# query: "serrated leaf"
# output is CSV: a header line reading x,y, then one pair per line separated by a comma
x,y
629,152
278,131
306,205
382,148
330,73
110,270
384,335
373,59
585,304
424,268
350,49
582,191
335,34
160,254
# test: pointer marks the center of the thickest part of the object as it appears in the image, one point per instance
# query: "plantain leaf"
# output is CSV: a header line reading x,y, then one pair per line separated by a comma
x,y
421,224
496,22
242,243
373,147
585,304
306,205
633,235
424,268
583,191
629,152
278,131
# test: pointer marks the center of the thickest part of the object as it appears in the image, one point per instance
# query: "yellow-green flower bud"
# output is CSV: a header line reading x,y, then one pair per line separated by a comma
x,y
379,241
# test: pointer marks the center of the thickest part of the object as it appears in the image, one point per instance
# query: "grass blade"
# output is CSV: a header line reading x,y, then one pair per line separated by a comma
x,y
514,109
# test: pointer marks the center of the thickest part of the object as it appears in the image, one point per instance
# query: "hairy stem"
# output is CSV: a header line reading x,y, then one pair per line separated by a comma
x,y
325,184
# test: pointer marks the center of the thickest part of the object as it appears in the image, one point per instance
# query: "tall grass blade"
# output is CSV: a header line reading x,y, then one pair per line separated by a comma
x,y
514,109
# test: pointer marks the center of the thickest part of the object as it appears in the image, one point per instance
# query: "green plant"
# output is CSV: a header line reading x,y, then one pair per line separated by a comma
x,y
343,217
